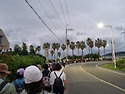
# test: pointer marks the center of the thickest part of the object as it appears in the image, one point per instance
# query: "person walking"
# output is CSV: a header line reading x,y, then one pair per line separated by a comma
x,y
33,81
18,83
58,80
46,78
5,86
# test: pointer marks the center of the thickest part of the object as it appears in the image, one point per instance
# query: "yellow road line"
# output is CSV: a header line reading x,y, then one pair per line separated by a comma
x,y
103,80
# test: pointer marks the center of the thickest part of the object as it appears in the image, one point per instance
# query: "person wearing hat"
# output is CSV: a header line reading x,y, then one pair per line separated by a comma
x,y
18,83
5,87
33,81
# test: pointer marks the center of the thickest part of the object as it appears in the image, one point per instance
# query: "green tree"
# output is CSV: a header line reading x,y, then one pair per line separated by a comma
x,y
83,45
104,43
46,47
98,44
57,47
89,42
54,48
24,49
17,50
52,53
72,47
63,48
78,45
32,51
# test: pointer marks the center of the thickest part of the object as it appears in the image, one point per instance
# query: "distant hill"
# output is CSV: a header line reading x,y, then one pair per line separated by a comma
x,y
117,54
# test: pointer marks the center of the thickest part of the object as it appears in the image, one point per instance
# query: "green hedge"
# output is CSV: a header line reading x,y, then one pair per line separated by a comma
x,y
120,63
16,61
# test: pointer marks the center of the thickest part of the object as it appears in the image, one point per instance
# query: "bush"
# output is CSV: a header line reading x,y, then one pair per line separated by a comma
x,y
16,61
120,63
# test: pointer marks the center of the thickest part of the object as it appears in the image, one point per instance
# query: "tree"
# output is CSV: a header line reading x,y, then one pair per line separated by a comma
x,y
46,47
63,48
54,48
82,46
24,49
98,44
38,48
78,45
17,49
52,52
57,47
104,43
72,47
32,51
89,42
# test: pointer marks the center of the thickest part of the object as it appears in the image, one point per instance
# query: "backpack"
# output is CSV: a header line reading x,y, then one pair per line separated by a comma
x,y
46,80
3,84
19,88
58,84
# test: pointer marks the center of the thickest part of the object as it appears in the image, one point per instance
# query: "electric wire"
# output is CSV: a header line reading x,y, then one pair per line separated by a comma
x,y
46,13
68,13
63,11
56,13
42,20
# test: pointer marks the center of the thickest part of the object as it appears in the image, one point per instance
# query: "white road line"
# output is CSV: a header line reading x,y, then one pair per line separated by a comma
x,y
109,70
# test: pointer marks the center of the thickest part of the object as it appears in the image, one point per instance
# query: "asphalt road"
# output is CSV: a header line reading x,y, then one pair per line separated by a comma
x,y
89,79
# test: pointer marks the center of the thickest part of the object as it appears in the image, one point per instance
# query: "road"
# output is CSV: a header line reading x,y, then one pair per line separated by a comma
x,y
89,79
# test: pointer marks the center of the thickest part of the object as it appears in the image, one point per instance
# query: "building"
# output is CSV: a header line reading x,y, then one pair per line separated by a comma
x,y
4,43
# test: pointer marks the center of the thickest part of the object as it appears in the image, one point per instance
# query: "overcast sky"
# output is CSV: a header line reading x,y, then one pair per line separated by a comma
x,y
20,23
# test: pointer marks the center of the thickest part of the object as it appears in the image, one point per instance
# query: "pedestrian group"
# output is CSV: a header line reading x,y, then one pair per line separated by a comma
x,y
33,80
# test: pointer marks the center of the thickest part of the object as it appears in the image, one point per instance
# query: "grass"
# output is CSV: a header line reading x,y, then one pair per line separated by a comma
x,y
111,66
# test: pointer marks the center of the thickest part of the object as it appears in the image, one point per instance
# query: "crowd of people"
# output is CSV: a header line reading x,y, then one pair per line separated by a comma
x,y
34,80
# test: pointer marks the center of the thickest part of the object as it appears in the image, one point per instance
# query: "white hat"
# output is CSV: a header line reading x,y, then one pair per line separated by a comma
x,y
32,74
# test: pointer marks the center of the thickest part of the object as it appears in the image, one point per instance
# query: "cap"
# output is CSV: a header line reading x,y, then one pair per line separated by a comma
x,y
32,74
20,71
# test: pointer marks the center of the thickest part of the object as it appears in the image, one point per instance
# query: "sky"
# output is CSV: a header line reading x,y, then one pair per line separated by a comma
x,y
21,24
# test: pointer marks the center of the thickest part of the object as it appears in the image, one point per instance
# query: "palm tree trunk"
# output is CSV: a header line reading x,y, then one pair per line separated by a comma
x,y
91,54
104,53
82,52
98,53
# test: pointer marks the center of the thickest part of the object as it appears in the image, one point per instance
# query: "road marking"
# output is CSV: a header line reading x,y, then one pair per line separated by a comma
x,y
103,80
109,70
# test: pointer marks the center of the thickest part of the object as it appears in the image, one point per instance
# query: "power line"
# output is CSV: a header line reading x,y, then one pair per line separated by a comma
x,y
68,12
46,13
56,13
42,20
63,11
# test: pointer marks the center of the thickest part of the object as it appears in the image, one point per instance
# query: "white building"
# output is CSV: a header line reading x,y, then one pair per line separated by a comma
x,y
4,43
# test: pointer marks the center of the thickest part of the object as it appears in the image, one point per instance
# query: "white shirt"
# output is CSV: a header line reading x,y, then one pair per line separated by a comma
x,y
53,76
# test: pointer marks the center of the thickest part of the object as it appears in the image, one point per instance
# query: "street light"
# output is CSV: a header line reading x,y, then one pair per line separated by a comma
x,y
101,25
66,42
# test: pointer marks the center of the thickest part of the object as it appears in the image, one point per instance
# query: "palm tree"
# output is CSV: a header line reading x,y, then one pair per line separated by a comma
x,y
63,48
82,46
98,44
38,49
78,45
32,51
104,43
17,49
54,48
57,47
46,47
59,54
89,42
68,42
52,52
91,46
72,47
24,49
